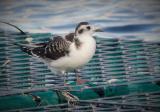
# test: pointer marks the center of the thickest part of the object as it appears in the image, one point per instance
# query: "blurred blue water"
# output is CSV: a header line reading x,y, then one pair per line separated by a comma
x,y
125,18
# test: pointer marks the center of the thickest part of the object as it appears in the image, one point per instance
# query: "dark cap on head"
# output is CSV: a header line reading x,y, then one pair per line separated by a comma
x,y
81,23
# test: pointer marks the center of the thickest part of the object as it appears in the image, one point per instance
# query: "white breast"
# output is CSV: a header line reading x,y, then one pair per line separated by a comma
x,y
77,57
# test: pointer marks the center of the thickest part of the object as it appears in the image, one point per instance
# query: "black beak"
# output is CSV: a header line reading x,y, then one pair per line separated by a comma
x,y
98,30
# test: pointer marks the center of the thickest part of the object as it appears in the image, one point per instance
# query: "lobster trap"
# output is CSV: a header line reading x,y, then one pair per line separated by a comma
x,y
123,76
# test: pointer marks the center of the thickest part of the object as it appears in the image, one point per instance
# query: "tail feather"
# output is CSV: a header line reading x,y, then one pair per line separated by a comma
x,y
32,50
24,48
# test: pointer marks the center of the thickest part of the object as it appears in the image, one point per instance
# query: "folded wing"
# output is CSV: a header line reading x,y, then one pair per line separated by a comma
x,y
54,49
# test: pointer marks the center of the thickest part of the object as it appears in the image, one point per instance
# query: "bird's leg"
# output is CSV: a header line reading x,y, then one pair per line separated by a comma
x,y
79,81
65,81
65,78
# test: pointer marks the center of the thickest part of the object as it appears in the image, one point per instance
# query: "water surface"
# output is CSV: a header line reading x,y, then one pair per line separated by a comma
x,y
118,18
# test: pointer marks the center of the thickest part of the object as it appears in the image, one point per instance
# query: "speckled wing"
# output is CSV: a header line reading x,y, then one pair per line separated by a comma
x,y
70,37
54,49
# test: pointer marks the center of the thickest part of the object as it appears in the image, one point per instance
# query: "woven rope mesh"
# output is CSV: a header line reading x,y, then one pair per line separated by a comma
x,y
119,66
148,102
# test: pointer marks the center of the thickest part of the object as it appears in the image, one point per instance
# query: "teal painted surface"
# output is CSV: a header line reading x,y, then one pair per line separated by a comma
x,y
51,97
24,101
124,61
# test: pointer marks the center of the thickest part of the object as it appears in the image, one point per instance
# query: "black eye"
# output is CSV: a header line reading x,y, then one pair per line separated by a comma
x,y
88,27
80,31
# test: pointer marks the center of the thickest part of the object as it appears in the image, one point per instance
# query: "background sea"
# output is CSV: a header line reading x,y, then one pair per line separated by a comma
x,y
118,18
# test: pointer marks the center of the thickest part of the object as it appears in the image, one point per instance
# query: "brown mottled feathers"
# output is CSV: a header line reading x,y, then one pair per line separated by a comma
x,y
54,49
70,37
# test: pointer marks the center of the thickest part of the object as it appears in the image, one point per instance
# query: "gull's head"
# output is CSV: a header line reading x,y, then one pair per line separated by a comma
x,y
84,28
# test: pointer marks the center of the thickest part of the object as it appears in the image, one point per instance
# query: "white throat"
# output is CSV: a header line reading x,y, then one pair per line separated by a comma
x,y
85,38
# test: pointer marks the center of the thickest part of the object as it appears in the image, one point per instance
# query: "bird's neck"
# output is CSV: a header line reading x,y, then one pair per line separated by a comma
x,y
83,39
77,43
